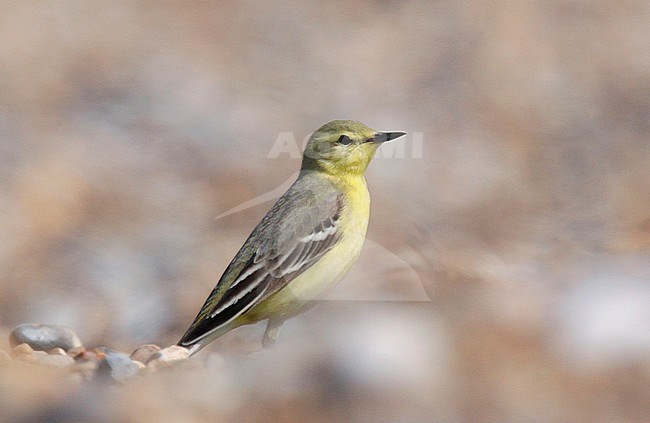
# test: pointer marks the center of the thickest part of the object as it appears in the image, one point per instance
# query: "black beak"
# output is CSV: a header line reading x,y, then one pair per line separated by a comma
x,y
386,136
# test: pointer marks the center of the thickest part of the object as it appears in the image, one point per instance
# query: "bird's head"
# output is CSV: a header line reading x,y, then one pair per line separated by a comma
x,y
344,147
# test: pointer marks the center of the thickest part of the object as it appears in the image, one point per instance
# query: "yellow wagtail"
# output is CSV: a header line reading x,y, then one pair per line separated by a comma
x,y
304,245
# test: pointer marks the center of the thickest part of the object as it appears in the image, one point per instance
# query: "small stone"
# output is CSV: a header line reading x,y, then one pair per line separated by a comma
x,y
167,356
73,352
21,353
57,351
21,349
44,337
117,365
91,354
144,352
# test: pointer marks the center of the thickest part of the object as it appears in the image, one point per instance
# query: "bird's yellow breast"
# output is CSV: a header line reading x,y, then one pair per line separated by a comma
x,y
330,269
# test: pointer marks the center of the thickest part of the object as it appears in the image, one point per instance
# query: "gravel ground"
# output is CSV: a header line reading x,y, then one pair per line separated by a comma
x,y
506,274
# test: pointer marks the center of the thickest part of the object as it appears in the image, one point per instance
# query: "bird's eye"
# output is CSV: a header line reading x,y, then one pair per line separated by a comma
x,y
344,139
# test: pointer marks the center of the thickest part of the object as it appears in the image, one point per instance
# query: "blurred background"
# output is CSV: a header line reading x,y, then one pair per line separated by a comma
x,y
512,224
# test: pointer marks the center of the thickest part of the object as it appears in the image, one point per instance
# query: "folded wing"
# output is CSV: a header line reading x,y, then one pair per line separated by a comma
x,y
293,236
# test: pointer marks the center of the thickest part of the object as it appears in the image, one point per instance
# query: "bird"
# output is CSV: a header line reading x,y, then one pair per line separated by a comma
x,y
304,245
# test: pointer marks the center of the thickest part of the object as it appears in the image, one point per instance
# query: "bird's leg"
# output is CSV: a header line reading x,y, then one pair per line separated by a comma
x,y
271,333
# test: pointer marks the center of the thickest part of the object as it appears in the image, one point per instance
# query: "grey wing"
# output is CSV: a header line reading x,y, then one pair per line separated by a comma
x,y
289,242
271,270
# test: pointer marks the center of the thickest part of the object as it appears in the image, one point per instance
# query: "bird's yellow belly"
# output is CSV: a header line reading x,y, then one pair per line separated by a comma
x,y
328,271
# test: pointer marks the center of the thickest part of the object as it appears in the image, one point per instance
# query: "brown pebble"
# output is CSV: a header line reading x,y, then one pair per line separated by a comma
x,y
73,352
21,349
90,354
167,356
144,352
32,357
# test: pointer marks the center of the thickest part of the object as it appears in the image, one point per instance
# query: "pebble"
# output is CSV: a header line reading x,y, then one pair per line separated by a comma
x,y
44,337
167,356
59,347
117,365
89,354
144,352
73,352
21,349
25,353
57,351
